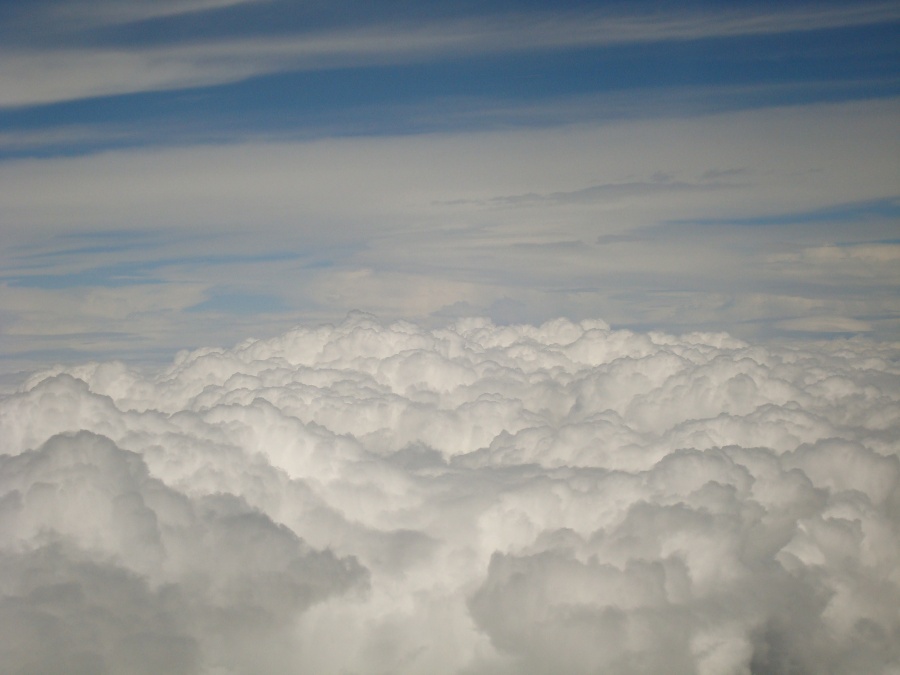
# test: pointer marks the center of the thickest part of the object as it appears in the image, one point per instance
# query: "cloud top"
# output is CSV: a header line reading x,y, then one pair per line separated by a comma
x,y
374,497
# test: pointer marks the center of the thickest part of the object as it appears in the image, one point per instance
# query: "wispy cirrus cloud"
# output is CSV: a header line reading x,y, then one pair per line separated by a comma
x,y
73,16
655,217
81,70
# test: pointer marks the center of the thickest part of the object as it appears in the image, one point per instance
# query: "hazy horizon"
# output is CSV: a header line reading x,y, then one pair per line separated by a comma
x,y
185,173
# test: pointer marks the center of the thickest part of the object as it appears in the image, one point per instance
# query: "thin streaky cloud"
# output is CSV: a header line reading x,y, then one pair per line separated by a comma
x,y
90,13
34,76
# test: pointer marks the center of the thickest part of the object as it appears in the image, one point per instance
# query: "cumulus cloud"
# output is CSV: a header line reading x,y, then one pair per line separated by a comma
x,y
382,497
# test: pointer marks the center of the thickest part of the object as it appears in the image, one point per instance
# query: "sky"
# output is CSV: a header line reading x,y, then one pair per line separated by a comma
x,y
460,338
181,173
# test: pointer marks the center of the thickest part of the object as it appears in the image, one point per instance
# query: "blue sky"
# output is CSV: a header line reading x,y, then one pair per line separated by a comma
x,y
180,173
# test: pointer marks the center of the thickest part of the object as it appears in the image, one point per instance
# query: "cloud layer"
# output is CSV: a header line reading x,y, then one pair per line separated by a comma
x,y
741,221
369,497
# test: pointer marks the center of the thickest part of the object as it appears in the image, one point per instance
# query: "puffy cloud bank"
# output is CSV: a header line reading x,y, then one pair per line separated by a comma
x,y
378,498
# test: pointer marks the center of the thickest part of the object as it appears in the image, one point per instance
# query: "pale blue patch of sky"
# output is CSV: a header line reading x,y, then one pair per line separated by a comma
x,y
846,213
135,272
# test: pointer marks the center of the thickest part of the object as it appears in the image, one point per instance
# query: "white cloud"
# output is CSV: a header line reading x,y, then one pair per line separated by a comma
x,y
108,567
107,12
374,497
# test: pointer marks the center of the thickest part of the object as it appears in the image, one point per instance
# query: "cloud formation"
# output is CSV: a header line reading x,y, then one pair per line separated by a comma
x,y
370,497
